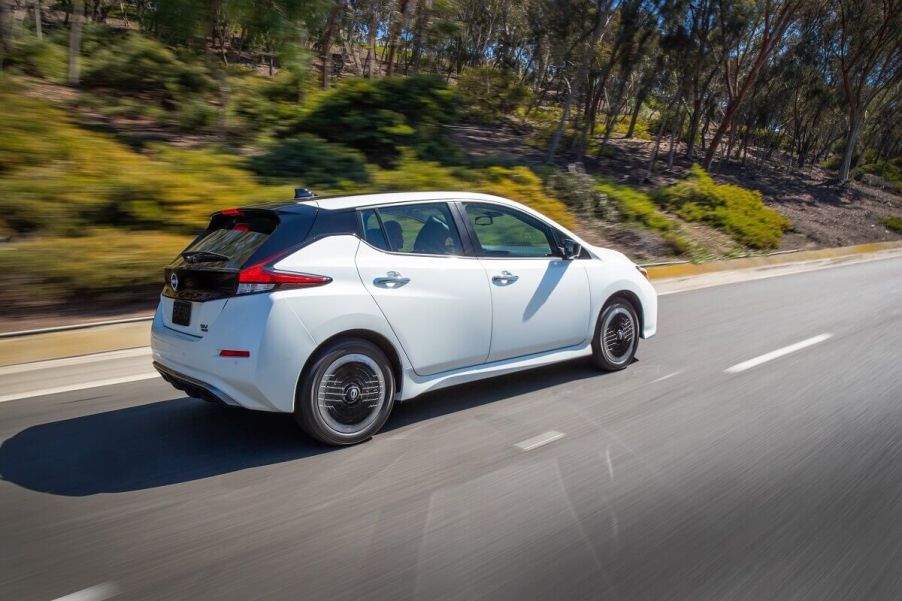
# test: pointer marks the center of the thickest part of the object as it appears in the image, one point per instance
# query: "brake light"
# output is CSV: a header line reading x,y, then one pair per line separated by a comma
x,y
262,277
230,212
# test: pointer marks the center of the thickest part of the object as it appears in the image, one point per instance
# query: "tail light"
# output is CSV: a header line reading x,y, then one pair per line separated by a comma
x,y
263,277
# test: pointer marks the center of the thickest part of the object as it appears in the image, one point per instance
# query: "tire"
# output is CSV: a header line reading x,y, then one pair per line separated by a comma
x,y
360,399
616,335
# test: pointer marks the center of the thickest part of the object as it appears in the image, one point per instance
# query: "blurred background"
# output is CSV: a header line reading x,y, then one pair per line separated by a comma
x,y
670,130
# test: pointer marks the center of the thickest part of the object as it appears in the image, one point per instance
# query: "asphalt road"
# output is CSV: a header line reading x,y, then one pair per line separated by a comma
x,y
679,478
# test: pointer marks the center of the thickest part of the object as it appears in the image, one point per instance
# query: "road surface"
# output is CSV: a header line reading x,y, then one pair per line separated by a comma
x,y
754,451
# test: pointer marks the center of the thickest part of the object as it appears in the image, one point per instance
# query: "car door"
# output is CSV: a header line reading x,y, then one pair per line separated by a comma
x,y
436,300
540,301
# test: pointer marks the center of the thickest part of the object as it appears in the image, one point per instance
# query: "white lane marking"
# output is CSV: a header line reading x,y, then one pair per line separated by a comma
x,y
667,377
777,353
79,360
83,386
607,456
98,592
540,440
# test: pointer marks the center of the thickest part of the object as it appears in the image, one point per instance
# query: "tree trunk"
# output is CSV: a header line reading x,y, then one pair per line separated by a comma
x,y
394,33
635,115
855,122
326,43
556,137
75,40
371,44
674,139
38,25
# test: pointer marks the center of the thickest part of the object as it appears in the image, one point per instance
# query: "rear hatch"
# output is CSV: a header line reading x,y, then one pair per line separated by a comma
x,y
199,282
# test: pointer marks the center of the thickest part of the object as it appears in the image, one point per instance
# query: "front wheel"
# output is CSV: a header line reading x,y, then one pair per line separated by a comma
x,y
347,394
616,336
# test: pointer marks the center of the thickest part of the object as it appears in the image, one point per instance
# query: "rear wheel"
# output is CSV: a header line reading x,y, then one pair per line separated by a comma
x,y
347,394
616,336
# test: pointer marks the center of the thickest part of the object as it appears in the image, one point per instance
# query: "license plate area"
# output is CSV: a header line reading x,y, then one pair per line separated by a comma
x,y
181,313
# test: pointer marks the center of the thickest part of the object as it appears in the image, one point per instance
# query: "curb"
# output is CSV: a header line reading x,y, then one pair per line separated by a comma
x,y
97,337
678,270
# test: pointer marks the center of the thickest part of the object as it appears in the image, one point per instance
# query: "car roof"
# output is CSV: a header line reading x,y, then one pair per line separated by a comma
x,y
356,201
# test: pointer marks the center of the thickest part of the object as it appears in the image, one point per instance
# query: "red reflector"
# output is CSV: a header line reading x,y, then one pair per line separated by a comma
x,y
240,227
230,212
227,353
260,274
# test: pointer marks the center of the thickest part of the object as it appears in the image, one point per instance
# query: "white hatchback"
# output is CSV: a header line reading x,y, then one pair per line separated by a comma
x,y
334,308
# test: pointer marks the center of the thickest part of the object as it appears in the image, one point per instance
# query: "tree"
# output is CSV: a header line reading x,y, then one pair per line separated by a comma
x,y
869,53
745,54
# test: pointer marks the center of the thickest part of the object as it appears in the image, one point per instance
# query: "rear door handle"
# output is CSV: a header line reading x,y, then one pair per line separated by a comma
x,y
392,280
505,278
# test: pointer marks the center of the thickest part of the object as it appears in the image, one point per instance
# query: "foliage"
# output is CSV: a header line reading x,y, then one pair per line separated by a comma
x,y
379,117
39,58
310,160
58,178
889,171
489,94
739,212
135,65
893,223
111,266
580,191
635,206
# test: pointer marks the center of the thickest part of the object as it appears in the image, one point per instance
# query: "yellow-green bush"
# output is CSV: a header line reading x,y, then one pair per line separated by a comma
x,y
635,205
56,177
107,264
739,212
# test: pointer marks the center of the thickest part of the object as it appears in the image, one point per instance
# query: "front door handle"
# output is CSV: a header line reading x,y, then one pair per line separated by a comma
x,y
392,280
505,278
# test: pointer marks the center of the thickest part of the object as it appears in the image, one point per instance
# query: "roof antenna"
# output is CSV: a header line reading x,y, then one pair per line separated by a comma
x,y
303,194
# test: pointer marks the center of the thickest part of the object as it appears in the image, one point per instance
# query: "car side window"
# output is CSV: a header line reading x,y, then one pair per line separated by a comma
x,y
506,232
426,229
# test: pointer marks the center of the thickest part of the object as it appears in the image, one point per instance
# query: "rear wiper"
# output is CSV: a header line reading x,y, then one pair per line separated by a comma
x,y
203,256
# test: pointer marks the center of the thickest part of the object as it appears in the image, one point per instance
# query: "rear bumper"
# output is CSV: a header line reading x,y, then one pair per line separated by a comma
x,y
274,337
194,387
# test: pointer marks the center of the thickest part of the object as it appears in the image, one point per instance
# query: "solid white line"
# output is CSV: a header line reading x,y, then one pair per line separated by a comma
x,y
98,592
776,354
540,440
84,386
78,360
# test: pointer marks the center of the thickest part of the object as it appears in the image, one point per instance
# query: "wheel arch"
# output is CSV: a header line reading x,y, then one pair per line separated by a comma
x,y
633,299
370,336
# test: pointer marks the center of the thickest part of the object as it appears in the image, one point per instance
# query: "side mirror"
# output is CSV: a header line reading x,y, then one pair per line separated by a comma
x,y
571,249
484,220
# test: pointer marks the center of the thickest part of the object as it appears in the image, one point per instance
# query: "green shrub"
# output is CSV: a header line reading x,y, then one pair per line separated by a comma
x,y
739,212
889,171
379,117
489,93
311,160
635,205
579,190
135,65
197,115
43,59
893,223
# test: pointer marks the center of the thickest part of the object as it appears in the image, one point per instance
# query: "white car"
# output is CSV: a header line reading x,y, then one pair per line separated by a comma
x,y
334,308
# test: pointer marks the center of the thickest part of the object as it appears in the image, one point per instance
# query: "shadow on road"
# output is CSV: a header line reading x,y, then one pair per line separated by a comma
x,y
185,439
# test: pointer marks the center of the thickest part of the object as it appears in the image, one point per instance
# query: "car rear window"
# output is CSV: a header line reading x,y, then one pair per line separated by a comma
x,y
236,238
